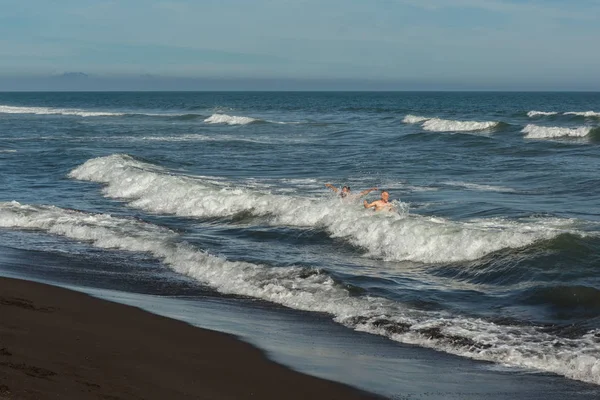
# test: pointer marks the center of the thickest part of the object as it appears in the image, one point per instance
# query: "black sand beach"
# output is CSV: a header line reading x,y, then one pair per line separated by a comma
x,y
60,344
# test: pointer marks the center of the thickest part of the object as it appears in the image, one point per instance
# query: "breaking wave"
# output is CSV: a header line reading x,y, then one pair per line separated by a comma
x,y
389,236
414,119
4,109
55,111
315,290
588,114
229,119
548,132
532,114
446,125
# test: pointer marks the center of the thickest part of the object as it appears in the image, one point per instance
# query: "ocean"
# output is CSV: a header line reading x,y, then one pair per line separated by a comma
x,y
492,251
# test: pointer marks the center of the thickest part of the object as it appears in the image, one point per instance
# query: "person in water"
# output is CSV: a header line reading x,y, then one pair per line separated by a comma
x,y
382,204
345,191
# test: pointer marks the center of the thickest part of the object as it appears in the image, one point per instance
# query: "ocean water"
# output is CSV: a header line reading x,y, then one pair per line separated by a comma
x,y
492,252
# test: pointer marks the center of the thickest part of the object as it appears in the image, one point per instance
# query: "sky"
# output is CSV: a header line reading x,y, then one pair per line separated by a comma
x,y
340,44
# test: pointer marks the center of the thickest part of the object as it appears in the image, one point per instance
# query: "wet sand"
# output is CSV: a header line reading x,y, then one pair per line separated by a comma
x,y
60,344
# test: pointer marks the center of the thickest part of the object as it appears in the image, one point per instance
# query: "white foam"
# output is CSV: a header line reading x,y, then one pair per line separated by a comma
x,y
592,114
480,187
7,151
548,132
55,111
447,125
444,125
389,236
540,113
414,119
229,119
315,290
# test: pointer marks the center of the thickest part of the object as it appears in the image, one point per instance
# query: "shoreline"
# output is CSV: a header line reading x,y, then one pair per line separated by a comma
x,y
59,343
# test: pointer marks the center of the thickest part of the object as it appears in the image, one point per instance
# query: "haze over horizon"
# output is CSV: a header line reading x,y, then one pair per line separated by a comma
x,y
300,45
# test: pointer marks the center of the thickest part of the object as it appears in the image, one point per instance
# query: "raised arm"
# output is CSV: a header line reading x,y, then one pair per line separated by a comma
x,y
330,186
367,191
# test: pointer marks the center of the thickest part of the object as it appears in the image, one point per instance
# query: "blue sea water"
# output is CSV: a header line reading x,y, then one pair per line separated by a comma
x,y
492,252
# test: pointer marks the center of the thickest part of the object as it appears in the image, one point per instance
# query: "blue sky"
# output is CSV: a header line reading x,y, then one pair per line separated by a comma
x,y
470,44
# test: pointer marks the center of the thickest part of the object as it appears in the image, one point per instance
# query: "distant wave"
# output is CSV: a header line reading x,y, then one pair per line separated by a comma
x,y
4,109
7,151
592,114
587,114
230,119
540,113
237,120
448,125
480,187
442,125
548,132
55,111
414,119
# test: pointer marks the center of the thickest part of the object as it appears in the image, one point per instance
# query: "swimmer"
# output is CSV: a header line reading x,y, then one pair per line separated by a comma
x,y
382,204
345,191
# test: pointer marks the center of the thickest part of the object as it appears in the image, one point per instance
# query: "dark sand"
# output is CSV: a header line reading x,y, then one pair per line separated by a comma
x,y
60,344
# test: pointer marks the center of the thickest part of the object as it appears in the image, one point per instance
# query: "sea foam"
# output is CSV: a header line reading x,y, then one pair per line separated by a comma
x,y
414,119
229,119
443,125
448,125
315,290
548,132
589,114
389,236
532,114
55,111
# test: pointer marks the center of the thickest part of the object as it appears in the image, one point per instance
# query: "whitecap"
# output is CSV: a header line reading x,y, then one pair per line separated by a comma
x,y
229,119
389,236
313,290
532,114
548,132
443,125
55,111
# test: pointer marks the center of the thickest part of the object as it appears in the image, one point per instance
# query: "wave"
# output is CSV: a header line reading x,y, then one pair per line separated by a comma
x,y
588,114
532,114
414,119
446,125
315,290
4,109
442,125
55,111
480,187
229,119
7,151
389,236
548,132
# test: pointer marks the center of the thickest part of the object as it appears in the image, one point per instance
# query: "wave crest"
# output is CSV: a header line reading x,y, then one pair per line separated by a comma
x,y
532,114
55,111
389,236
448,125
443,125
414,119
316,291
547,132
229,119
588,114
